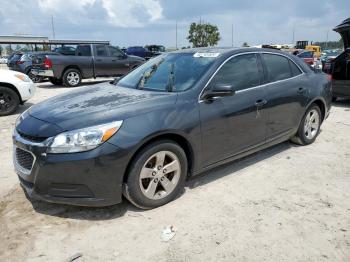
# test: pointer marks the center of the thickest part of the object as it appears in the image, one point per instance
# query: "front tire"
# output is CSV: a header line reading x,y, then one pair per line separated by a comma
x,y
9,101
157,175
309,127
72,78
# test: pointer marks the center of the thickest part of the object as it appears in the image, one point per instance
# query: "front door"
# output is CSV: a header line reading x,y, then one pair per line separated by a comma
x,y
234,124
119,61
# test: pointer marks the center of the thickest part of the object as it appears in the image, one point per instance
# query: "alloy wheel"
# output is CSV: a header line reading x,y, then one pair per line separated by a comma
x,y
160,175
312,123
73,78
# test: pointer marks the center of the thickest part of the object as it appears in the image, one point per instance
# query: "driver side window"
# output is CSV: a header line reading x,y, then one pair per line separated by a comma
x,y
241,72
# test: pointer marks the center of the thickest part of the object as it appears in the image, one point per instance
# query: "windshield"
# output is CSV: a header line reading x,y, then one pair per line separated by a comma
x,y
180,70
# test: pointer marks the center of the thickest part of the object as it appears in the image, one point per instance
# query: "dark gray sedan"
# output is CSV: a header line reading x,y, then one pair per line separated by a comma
x,y
175,116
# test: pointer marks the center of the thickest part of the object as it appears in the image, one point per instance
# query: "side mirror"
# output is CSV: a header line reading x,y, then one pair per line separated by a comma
x,y
115,80
218,90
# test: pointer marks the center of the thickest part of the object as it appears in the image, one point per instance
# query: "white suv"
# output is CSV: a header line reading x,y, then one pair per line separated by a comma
x,y
15,89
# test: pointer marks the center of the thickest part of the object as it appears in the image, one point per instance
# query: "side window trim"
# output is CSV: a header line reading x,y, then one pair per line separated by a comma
x,y
264,68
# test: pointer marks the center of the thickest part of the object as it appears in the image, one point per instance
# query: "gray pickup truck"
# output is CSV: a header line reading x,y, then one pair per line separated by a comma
x,y
89,61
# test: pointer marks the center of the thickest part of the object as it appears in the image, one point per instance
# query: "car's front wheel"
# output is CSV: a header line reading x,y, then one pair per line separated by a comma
x,y
157,175
9,101
309,127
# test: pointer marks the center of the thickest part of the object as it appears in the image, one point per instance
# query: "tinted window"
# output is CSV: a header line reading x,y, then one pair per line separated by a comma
x,y
113,51
101,50
277,67
241,72
84,50
295,70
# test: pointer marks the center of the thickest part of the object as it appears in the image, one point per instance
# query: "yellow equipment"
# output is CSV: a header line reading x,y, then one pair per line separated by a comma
x,y
315,48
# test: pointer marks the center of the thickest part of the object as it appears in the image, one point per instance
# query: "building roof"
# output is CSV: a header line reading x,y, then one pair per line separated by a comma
x,y
14,39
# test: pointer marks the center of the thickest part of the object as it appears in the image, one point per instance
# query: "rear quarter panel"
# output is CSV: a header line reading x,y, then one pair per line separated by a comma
x,y
61,63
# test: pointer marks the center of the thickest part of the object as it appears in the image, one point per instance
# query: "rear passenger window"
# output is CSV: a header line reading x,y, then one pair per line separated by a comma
x,y
277,67
295,70
241,72
84,50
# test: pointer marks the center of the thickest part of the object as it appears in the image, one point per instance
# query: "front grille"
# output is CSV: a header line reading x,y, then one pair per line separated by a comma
x,y
32,138
24,159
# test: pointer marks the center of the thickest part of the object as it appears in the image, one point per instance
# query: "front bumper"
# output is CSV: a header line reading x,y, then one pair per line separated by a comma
x,y
26,90
43,72
92,178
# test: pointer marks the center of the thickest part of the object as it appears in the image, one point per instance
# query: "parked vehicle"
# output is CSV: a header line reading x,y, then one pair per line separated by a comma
x,y
315,48
339,67
155,49
65,50
175,116
15,89
308,57
3,59
23,62
329,56
139,51
89,61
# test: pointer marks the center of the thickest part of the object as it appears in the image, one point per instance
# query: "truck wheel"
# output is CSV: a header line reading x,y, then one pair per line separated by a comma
x,y
9,101
72,78
56,81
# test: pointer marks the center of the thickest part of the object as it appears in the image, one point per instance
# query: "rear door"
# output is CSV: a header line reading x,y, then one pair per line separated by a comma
x,y
233,124
102,60
286,85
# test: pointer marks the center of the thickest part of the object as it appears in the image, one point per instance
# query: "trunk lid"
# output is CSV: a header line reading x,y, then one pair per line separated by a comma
x,y
344,30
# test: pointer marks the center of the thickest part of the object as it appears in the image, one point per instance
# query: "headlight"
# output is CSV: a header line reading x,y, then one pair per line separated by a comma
x,y
83,139
23,77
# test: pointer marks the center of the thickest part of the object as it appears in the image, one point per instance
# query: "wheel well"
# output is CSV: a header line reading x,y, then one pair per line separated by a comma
x,y
13,88
180,140
322,107
72,67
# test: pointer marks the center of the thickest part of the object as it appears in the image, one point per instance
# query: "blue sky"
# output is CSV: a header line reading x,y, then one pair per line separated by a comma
x,y
141,22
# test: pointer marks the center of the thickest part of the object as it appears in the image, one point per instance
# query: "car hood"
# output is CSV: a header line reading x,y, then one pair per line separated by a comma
x,y
344,30
98,104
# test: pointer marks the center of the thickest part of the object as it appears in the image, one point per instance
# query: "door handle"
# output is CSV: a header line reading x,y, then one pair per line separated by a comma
x,y
260,102
301,90
114,60
98,60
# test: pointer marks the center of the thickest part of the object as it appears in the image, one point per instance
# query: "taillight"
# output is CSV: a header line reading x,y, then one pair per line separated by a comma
x,y
47,63
19,62
329,77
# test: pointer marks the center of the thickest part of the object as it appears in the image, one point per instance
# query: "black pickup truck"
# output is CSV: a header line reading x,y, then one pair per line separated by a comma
x,y
89,61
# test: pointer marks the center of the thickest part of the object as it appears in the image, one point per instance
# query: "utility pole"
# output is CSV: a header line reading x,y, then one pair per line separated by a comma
x,y
176,35
293,34
53,27
327,39
232,35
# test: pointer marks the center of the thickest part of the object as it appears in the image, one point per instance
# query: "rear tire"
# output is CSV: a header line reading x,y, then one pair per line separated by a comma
x,y
157,175
56,81
9,101
309,126
35,78
72,78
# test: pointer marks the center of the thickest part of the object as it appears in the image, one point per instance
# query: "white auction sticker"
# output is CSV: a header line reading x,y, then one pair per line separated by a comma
x,y
206,54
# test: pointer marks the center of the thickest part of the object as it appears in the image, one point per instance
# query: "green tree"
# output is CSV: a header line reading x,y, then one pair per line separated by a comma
x,y
202,35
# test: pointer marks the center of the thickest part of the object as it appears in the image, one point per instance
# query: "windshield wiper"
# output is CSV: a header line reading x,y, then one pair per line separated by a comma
x,y
170,84
146,75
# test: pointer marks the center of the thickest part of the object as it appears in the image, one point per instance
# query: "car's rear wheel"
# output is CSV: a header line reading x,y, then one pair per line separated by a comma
x,y
72,78
56,81
157,175
309,127
35,78
9,101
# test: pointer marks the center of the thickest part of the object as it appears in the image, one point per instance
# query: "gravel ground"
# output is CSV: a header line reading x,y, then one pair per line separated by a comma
x,y
286,203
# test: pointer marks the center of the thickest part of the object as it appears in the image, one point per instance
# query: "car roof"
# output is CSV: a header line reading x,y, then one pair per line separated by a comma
x,y
229,50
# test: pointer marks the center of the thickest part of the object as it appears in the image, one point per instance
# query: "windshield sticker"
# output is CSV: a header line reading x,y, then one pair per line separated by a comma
x,y
206,54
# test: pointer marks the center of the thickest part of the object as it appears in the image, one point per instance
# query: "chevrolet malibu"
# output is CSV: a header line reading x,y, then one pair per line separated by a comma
x,y
175,116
